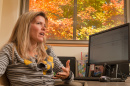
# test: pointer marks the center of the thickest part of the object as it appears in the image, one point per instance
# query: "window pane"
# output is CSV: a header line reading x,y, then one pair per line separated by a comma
x,y
97,15
91,17
60,15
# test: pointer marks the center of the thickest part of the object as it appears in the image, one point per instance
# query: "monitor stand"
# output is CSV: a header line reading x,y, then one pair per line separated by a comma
x,y
116,72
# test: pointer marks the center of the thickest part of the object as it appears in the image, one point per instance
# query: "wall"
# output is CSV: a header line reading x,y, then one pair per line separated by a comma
x,y
1,1
9,12
71,51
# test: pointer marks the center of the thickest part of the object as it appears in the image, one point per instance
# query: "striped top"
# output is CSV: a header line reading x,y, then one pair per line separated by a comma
x,y
20,74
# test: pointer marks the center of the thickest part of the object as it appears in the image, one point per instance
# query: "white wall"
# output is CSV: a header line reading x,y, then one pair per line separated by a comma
x,y
9,12
71,51
1,4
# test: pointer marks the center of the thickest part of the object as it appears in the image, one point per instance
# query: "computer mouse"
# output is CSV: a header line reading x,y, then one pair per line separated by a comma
x,y
104,79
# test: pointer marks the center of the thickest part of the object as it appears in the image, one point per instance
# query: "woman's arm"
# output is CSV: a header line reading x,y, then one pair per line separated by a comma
x,y
57,62
59,68
4,58
3,63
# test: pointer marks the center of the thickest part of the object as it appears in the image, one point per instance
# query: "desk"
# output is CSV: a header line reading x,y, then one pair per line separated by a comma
x,y
97,83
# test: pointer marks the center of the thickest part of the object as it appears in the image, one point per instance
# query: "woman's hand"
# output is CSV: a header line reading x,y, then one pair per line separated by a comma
x,y
65,73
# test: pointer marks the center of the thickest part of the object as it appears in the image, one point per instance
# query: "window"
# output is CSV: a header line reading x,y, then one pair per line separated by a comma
x,y
77,19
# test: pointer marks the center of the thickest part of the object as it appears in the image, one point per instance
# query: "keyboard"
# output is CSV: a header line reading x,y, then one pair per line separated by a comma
x,y
117,80
87,78
97,79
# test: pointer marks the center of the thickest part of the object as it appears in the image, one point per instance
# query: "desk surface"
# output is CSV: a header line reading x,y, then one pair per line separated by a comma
x,y
98,83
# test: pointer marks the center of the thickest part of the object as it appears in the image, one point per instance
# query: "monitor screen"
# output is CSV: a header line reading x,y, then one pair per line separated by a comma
x,y
110,46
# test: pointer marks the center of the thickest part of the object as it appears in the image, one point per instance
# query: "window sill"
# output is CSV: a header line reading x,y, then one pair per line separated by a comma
x,y
69,43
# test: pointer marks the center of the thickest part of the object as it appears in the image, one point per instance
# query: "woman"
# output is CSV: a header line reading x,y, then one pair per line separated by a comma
x,y
26,58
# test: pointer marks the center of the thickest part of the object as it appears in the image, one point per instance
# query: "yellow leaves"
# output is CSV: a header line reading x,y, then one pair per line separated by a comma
x,y
100,17
87,13
85,32
60,27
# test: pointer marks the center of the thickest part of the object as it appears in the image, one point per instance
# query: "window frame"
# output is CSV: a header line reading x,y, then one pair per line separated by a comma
x,y
24,7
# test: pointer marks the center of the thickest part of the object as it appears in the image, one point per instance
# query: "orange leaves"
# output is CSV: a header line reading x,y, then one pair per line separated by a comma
x,y
87,13
113,8
92,16
36,5
62,29
47,6
63,2
114,12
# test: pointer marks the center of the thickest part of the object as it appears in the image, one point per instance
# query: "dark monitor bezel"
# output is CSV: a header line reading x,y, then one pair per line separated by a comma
x,y
114,28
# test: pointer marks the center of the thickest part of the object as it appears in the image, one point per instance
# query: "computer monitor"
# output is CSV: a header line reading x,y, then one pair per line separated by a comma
x,y
111,46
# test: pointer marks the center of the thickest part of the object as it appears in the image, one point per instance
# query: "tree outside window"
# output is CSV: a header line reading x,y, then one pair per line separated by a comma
x,y
77,19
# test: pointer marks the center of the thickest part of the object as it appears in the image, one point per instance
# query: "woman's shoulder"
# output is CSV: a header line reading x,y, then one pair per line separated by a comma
x,y
48,49
48,46
7,46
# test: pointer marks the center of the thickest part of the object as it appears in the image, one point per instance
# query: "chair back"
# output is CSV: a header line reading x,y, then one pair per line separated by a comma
x,y
4,81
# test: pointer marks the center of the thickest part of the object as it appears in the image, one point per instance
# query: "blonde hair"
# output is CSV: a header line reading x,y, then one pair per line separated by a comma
x,y
21,38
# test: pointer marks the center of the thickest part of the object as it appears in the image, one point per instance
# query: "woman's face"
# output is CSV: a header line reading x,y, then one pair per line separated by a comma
x,y
37,29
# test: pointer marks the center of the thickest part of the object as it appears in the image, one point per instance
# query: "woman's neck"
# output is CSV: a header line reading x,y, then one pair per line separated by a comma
x,y
32,50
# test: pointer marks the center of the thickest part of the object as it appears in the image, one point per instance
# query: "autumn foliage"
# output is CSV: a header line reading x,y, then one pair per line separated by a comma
x,y
92,16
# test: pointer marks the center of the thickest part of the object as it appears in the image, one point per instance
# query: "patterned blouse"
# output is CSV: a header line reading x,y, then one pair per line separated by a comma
x,y
27,72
